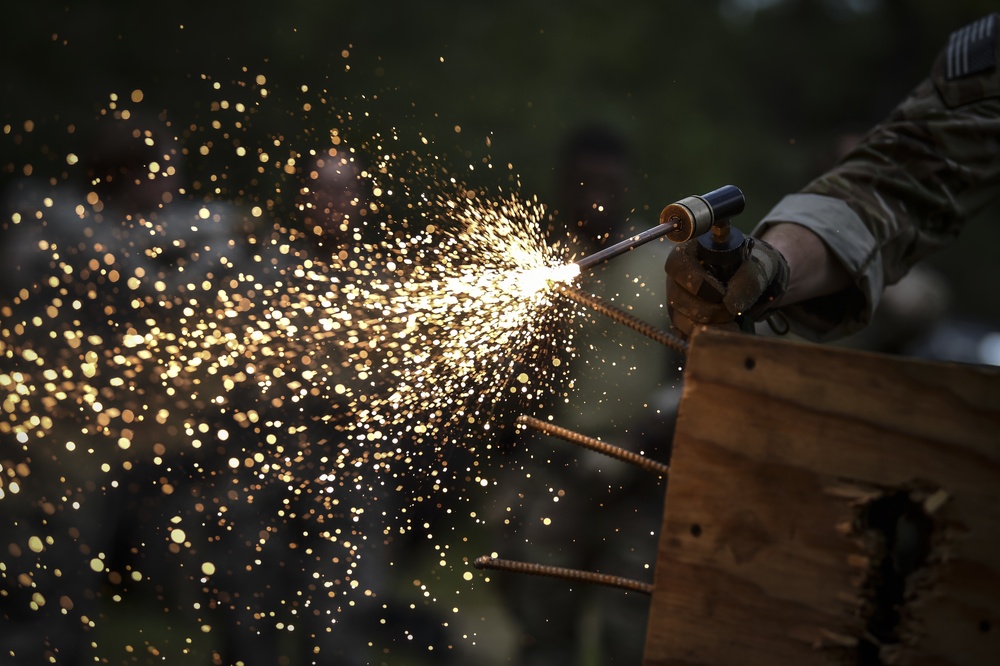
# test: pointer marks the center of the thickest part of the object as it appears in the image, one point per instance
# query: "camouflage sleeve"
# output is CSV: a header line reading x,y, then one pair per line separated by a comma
x,y
909,185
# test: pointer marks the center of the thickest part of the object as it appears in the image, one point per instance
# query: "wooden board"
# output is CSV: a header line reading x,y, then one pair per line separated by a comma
x,y
816,491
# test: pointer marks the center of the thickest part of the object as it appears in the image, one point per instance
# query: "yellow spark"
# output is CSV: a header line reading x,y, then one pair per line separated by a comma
x,y
145,341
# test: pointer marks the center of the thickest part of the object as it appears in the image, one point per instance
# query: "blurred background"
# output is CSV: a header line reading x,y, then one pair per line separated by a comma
x,y
763,94
759,93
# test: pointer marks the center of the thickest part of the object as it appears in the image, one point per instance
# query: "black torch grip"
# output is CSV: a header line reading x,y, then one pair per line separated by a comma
x,y
722,256
726,202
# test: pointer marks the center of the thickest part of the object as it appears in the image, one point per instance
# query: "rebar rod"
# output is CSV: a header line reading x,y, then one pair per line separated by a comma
x,y
586,442
487,562
622,317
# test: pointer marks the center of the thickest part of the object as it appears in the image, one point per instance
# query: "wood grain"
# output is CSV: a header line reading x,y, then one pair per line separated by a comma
x,y
783,453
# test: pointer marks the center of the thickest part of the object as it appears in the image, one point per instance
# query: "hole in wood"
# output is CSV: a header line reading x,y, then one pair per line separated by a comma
x,y
750,363
901,531
696,530
985,626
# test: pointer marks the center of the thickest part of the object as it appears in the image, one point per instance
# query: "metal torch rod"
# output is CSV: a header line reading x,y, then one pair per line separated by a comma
x,y
624,246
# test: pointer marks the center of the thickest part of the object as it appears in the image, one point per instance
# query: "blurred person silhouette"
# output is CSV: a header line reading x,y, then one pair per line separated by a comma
x,y
313,255
172,253
601,515
824,256
51,512
125,256
309,253
331,200
175,252
628,379
35,213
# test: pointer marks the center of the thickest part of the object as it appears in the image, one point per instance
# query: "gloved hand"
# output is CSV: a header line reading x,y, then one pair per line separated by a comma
x,y
696,297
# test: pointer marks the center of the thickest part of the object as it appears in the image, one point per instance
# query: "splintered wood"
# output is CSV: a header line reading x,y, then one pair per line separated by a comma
x,y
829,506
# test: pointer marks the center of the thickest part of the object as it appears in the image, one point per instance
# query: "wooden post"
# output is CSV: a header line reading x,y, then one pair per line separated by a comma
x,y
829,506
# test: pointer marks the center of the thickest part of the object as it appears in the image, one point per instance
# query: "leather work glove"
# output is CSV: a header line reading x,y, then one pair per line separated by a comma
x,y
695,296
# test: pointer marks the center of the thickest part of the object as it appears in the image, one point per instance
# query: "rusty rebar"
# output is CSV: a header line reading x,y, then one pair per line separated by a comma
x,y
487,562
586,442
598,305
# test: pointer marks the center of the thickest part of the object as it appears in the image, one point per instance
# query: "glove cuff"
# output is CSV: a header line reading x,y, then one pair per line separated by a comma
x,y
770,299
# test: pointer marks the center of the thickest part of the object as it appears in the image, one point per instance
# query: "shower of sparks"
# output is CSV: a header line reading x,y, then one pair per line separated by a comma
x,y
213,356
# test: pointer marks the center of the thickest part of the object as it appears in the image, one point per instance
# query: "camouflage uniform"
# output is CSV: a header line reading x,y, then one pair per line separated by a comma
x,y
909,185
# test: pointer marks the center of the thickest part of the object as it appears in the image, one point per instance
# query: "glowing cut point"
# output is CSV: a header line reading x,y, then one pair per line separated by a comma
x,y
534,280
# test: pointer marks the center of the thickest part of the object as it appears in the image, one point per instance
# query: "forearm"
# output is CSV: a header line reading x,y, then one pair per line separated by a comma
x,y
835,268
813,268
